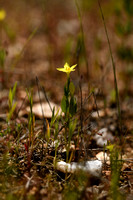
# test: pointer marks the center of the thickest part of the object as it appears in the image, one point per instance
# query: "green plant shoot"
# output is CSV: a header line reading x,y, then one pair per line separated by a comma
x,y
68,105
11,103
115,165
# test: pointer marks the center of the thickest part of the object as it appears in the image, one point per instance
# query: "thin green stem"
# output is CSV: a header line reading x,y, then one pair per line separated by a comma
x,y
83,38
114,68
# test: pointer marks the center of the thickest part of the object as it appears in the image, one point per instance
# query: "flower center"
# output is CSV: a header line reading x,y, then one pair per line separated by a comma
x,y
67,68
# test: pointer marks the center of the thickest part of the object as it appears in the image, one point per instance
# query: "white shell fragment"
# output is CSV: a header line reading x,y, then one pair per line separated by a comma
x,y
102,156
102,137
94,167
37,110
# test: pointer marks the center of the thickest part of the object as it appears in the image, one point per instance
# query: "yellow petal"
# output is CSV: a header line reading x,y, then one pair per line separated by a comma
x,y
73,67
66,66
61,69
72,70
67,69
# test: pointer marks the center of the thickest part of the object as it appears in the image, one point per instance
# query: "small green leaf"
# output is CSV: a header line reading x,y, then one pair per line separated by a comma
x,y
10,99
64,104
72,126
56,130
66,91
72,88
66,88
54,116
14,90
73,106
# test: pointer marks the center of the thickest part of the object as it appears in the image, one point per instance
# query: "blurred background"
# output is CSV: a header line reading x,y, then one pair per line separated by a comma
x,y
37,36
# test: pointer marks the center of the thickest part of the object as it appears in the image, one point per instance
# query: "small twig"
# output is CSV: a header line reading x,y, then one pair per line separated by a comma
x,y
47,98
28,181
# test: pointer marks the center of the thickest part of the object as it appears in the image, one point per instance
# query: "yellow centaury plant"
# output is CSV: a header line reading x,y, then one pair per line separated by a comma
x,y
67,69
2,15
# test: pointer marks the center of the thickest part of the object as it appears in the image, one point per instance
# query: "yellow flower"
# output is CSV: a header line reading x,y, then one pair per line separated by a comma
x,y
67,69
2,15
